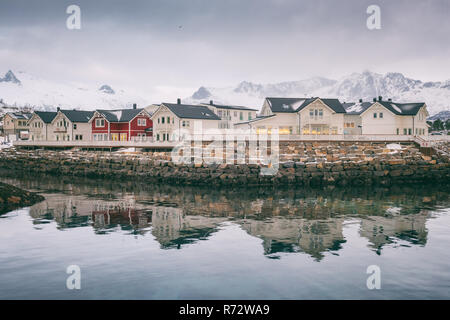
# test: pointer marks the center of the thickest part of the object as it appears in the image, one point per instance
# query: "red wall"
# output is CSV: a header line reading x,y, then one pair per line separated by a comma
x,y
122,127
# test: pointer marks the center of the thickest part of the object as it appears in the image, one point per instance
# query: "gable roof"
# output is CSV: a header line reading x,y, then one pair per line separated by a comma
x,y
221,106
122,115
20,115
333,104
46,116
285,104
78,115
402,109
292,105
191,112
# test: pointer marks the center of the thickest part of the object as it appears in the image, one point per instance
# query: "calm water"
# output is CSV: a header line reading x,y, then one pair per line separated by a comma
x,y
137,241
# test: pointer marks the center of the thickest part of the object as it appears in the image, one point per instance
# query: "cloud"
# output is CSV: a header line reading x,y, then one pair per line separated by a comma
x,y
175,44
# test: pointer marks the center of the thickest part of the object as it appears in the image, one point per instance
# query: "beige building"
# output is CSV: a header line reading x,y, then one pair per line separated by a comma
x,y
231,115
39,125
387,117
171,121
16,124
298,116
69,125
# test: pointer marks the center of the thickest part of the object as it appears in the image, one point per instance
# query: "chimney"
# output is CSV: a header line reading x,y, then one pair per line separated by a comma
x,y
380,98
178,101
360,100
58,108
389,99
134,105
374,99
211,102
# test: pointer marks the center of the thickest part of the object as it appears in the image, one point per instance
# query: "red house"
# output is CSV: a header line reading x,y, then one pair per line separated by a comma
x,y
121,125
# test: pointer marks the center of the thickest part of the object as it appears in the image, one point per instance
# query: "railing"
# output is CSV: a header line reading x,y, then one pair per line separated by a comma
x,y
96,144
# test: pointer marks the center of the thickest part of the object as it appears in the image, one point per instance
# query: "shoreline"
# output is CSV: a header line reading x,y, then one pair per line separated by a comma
x,y
313,164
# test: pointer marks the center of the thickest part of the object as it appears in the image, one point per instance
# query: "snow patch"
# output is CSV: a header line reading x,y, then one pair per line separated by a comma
x,y
394,146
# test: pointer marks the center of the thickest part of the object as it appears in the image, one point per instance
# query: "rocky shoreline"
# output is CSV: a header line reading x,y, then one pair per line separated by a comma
x,y
12,198
301,164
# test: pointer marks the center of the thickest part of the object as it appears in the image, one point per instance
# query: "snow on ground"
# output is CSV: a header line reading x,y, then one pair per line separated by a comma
x,y
394,146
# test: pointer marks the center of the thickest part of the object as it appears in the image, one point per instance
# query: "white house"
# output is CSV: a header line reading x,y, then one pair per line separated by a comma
x,y
170,119
387,117
298,116
71,125
39,125
230,114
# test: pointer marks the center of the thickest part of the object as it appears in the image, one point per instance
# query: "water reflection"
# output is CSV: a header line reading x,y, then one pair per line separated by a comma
x,y
287,221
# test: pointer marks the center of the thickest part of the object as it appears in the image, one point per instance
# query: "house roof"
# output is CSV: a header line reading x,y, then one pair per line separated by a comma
x,y
221,106
353,108
334,104
402,109
46,116
123,115
191,112
78,115
20,115
291,105
285,104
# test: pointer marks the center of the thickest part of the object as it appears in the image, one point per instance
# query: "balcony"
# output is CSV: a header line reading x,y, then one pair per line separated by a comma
x,y
60,130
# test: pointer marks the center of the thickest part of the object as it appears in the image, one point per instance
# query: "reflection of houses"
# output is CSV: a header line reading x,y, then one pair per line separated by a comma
x,y
313,237
172,228
385,230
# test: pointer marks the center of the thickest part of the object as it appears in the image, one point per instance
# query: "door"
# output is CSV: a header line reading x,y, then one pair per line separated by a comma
x,y
123,137
115,136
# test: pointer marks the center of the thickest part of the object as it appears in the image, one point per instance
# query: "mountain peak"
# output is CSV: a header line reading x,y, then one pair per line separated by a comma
x,y
201,93
106,89
10,77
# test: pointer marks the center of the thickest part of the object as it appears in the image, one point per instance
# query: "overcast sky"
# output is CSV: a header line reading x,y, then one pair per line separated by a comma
x,y
179,45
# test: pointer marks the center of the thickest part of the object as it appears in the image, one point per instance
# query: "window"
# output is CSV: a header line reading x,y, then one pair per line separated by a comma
x,y
398,130
99,123
168,120
241,115
235,114
321,113
142,122
374,115
74,126
409,131
381,115
220,113
157,136
158,120
311,113
162,120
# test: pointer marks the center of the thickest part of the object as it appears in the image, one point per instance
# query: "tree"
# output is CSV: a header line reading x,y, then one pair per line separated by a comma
x,y
447,124
438,124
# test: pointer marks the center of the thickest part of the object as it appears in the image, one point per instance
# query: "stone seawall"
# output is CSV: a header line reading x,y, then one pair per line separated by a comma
x,y
301,163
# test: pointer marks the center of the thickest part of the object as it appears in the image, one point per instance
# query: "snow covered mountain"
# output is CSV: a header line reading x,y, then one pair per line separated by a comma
x,y
21,89
365,85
